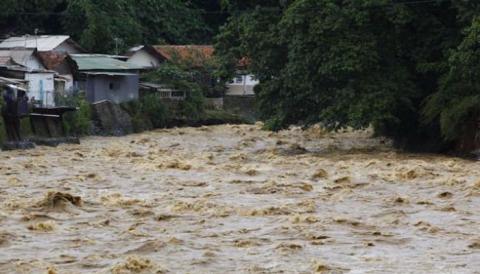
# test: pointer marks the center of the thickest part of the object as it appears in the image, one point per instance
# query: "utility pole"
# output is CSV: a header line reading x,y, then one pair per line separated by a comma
x,y
117,41
36,41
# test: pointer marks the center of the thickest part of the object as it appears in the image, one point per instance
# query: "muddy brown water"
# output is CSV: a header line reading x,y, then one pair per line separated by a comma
x,y
236,199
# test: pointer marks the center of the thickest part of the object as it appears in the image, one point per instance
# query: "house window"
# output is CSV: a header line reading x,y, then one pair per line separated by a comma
x,y
111,86
239,79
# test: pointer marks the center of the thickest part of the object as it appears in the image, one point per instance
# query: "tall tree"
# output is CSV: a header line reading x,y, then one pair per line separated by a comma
x,y
457,103
25,16
170,21
345,63
103,26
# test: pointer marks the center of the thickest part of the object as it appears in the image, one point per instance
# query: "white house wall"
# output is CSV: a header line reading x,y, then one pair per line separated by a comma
x,y
41,86
144,59
33,63
245,86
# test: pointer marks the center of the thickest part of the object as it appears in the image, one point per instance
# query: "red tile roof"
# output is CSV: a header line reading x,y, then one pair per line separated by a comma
x,y
192,53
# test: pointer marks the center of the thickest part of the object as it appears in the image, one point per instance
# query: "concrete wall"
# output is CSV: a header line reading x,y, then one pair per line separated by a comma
x,y
244,106
117,89
214,103
41,86
144,59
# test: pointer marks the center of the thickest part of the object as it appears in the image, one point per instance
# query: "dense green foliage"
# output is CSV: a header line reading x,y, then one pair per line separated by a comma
x,y
406,67
156,111
410,68
457,103
101,26
111,26
177,77
78,123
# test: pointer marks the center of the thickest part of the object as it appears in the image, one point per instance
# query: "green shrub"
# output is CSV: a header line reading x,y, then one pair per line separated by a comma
x,y
156,111
192,107
140,121
78,123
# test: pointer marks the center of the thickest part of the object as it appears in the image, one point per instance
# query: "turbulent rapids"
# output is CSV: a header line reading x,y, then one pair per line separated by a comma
x,y
236,199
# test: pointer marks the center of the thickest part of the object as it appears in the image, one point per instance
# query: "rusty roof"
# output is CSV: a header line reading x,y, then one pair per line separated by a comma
x,y
51,59
189,53
5,60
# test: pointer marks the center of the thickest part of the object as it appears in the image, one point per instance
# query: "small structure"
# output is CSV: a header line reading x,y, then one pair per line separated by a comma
x,y
162,91
144,56
104,77
244,83
47,126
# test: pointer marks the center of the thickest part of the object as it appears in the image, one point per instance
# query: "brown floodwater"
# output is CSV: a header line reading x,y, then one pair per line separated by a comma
x,y
236,199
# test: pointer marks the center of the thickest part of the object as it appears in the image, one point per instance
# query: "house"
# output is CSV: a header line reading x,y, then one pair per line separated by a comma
x,y
25,65
151,57
162,91
105,78
145,56
57,43
47,52
244,83
57,61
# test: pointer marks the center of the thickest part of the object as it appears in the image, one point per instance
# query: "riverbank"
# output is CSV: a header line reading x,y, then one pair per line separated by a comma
x,y
235,198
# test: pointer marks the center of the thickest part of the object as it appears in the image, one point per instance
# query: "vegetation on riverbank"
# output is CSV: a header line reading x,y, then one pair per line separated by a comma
x,y
411,69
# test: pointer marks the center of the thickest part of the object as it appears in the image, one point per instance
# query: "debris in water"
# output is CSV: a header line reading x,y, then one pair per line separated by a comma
x,y
320,174
42,226
445,195
475,245
135,264
54,200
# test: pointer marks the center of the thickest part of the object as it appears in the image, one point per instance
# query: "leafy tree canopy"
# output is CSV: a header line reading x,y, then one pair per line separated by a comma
x,y
110,26
358,63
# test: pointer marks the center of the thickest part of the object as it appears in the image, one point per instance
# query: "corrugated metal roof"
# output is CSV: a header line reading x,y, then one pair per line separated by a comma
x,y
110,73
101,62
20,57
5,60
12,80
42,42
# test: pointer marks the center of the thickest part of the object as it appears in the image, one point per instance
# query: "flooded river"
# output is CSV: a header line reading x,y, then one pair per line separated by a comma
x,y
235,199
